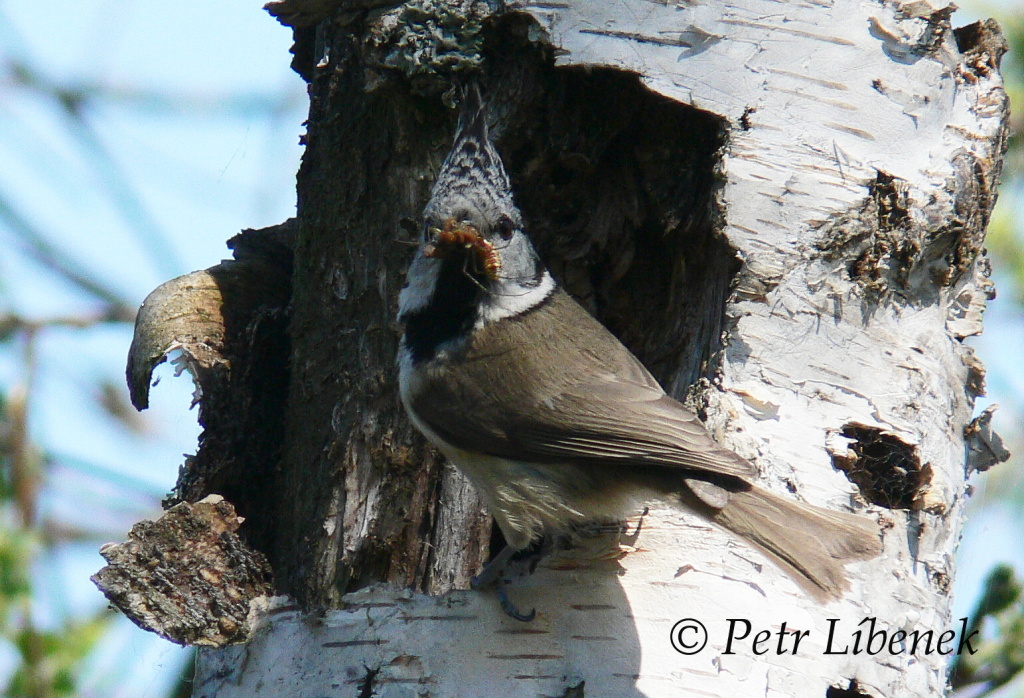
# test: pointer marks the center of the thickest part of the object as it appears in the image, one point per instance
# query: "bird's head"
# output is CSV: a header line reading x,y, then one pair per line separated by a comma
x,y
475,264
471,216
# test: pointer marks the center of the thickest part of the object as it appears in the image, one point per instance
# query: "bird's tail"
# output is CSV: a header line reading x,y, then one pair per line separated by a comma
x,y
809,543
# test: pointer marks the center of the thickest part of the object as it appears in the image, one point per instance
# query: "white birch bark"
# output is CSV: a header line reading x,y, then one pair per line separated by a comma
x,y
819,98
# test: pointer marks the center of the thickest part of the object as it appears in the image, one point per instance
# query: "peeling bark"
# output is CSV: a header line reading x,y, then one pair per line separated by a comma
x,y
188,577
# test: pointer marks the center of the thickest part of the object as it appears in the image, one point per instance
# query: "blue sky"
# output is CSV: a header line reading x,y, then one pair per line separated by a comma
x,y
196,125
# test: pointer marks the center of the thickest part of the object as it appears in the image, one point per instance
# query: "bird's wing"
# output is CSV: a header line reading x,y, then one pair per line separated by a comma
x,y
602,406
613,419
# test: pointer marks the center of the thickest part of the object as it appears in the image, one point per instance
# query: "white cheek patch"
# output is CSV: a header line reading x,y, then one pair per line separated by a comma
x,y
504,297
421,280
509,297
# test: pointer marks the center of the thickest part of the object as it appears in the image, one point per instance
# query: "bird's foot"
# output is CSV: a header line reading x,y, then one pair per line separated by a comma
x,y
510,609
631,538
493,575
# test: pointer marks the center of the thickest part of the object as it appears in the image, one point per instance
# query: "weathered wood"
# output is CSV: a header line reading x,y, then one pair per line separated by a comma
x,y
188,576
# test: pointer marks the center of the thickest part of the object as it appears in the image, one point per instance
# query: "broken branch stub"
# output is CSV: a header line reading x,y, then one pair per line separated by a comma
x,y
985,448
190,577
202,313
187,576
182,314
227,325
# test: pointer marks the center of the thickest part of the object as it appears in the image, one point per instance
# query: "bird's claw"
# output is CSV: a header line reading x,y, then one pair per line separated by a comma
x,y
493,574
632,538
510,608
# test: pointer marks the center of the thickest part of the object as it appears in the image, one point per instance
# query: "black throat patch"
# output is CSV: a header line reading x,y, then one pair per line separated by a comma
x,y
451,313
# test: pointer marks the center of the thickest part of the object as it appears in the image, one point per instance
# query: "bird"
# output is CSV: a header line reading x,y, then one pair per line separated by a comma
x,y
552,419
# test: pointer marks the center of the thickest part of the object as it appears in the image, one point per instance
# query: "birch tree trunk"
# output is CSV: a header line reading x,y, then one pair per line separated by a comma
x,y
779,207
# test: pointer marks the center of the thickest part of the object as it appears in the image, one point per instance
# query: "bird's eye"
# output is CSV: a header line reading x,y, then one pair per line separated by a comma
x,y
505,227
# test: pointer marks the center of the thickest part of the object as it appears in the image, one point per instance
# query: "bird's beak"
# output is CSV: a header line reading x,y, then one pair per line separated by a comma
x,y
456,235
453,235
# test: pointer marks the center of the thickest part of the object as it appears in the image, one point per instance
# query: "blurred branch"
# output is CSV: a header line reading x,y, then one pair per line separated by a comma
x,y
123,481
120,187
1004,240
53,531
73,100
25,480
999,659
191,104
11,322
36,245
62,650
25,476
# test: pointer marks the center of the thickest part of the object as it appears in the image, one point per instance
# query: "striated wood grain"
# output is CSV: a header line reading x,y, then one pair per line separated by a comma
x,y
187,576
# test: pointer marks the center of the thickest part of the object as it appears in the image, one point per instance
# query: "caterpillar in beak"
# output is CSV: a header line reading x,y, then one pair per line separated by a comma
x,y
456,234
